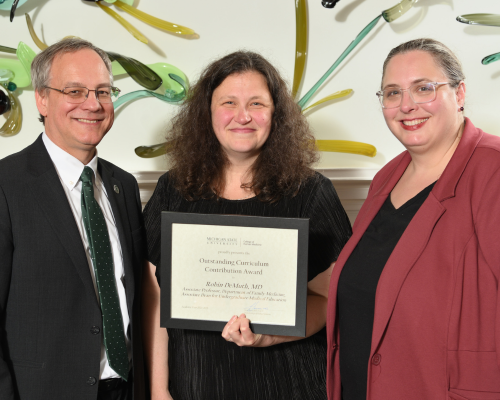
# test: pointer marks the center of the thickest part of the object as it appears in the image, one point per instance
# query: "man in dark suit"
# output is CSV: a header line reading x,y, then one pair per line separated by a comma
x,y
71,244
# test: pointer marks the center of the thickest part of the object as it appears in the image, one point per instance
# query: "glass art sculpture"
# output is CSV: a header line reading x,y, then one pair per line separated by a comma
x,y
139,72
171,95
9,104
14,74
480,19
126,5
4,102
486,20
341,146
12,5
300,43
329,3
389,15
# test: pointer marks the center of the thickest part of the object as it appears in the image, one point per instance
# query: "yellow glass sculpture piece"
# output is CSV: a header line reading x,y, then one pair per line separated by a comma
x,y
123,22
156,22
347,146
300,43
156,150
14,121
38,42
393,13
129,2
480,19
336,95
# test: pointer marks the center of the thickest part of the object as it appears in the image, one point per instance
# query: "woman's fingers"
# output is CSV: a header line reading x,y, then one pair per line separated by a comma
x,y
225,331
238,330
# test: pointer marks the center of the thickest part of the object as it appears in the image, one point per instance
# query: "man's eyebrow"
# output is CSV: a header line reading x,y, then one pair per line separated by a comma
x,y
79,84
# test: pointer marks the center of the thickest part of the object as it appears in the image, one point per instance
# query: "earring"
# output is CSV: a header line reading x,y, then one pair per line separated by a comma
x,y
461,108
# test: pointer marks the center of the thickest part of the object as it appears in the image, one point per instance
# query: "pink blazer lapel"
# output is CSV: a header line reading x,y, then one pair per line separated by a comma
x,y
401,261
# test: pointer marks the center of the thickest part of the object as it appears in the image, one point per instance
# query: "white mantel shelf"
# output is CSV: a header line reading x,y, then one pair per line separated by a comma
x,y
351,184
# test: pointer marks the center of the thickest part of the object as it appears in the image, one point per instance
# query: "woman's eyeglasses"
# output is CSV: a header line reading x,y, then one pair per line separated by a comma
x,y
419,93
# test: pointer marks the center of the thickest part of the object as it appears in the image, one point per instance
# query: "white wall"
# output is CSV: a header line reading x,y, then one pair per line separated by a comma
x,y
266,26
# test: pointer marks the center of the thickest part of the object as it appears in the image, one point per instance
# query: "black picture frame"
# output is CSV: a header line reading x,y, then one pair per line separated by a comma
x,y
301,269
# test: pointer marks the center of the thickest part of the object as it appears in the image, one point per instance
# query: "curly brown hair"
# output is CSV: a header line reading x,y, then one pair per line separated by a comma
x,y
197,161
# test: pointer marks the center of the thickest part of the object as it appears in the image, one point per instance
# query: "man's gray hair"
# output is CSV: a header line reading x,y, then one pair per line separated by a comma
x,y
42,64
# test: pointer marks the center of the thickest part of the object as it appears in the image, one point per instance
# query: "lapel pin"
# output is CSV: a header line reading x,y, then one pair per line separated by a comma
x,y
117,189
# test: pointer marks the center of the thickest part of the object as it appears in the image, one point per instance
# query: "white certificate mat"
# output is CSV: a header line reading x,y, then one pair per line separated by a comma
x,y
217,266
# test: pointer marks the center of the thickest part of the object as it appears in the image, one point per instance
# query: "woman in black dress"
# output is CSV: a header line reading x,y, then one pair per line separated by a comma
x,y
240,145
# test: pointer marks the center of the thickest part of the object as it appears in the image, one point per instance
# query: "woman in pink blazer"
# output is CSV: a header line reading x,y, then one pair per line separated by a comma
x,y
414,300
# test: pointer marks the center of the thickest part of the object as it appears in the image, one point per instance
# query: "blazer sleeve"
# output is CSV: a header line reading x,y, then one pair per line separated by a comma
x,y
6,257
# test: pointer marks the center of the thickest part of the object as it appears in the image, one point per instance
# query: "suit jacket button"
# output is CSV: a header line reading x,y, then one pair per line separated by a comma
x,y
376,359
91,381
95,330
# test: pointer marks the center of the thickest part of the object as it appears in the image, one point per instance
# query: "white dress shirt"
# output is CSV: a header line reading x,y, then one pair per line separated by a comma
x,y
69,170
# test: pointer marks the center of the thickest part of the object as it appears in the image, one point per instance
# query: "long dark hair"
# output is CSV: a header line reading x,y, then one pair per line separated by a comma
x,y
197,161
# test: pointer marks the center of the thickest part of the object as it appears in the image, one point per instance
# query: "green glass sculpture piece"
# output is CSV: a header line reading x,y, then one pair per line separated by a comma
x,y
490,59
22,66
21,78
393,13
13,124
346,52
300,43
26,56
480,19
139,72
163,70
6,75
170,95
485,20
5,49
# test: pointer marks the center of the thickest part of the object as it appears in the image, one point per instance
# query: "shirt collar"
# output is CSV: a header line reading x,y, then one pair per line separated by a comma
x,y
68,167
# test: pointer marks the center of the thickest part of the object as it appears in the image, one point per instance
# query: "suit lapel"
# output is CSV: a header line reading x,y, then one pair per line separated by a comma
x,y
49,195
116,196
403,258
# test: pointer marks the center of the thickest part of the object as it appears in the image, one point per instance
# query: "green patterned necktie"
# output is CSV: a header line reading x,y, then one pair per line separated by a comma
x,y
102,260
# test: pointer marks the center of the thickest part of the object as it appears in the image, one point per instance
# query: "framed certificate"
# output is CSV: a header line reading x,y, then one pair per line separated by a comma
x,y
217,266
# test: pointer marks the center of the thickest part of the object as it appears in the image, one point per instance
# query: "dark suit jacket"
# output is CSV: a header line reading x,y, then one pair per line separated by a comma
x,y
49,345
436,328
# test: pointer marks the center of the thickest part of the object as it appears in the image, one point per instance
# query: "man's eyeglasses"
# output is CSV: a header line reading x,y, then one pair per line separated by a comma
x,y
420,93
78,95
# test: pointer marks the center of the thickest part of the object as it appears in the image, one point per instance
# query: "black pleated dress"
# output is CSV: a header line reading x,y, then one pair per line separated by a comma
x,y
202,365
